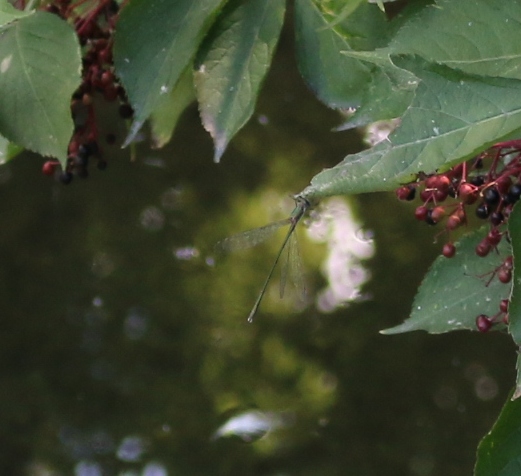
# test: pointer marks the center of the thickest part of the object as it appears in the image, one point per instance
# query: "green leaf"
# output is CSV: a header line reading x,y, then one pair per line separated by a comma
x,y
164,119
154,43
455,291
40,66
475,36
388,93
499,453
340,11
452,117
228,83
8,13
8,150
514,308
337,80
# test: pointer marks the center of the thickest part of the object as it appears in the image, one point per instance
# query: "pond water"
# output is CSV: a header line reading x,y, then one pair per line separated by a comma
x,y
124,344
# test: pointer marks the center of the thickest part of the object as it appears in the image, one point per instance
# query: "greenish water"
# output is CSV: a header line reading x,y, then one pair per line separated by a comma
x,y
124,345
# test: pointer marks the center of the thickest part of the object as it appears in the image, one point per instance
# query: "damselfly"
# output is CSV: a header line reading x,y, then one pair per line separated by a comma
x,y
253,237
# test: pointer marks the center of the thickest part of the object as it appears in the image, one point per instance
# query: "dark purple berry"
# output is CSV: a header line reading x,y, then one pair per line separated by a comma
x,y
478,163
478,180
514,192
429,218
83,152
82,172
126,111
491,196
483,211
66,178
496,218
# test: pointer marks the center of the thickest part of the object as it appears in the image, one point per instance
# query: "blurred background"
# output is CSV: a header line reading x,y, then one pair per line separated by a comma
x,y
124,344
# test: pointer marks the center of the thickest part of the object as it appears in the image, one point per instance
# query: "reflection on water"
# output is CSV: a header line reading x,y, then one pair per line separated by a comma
x,y
152,219
131,449
347,248
250,426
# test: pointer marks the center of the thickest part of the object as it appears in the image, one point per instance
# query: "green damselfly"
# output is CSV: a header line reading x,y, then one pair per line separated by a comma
x,y
256,236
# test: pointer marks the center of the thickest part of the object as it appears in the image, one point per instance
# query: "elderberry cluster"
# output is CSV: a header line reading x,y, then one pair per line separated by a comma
x,y
95,29
490,183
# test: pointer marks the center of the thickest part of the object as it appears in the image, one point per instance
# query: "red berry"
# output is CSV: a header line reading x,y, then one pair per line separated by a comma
x,y
457,171
483,248
426,195
49,167
105,56
504,275
503,305
443,183
468,193
449,250
86,99
503,184
494,236
107,78
110,93
508,263
421,212
437,213
407,192
441,195
453,221
483,323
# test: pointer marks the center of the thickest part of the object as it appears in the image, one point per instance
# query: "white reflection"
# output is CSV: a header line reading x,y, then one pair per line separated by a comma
x,y
446,397
131,449
263,120
154,469
347,246
422,464
136,323
152,219
101,442
379,131
187,253
171,198
102,264
486,388
250,425
87,468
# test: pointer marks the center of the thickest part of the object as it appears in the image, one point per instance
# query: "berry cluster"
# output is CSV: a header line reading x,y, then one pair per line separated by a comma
x,y
484,322
94,24
491,183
